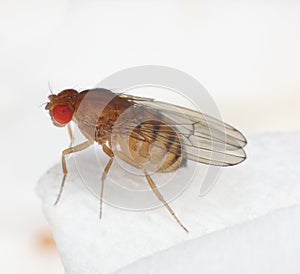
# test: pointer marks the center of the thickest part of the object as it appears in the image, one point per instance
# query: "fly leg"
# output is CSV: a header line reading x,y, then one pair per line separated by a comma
x,y
161,198
70,150
110,153
71,135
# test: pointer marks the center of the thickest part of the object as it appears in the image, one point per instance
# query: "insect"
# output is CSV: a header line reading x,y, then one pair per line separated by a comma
x,y
146,132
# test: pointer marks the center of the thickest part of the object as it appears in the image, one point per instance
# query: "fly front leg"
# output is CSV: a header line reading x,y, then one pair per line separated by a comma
x,y
110,153
67,151
71,134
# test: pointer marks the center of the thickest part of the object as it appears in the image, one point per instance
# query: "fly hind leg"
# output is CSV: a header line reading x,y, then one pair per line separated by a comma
x,y
161,198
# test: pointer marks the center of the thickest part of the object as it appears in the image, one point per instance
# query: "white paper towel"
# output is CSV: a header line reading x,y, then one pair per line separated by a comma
x,y
267,181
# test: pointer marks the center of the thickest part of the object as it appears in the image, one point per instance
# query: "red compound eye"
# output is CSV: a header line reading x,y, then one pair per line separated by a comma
x,y
62,114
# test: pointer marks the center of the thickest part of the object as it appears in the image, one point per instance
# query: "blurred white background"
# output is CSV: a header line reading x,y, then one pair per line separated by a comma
x,y
246,53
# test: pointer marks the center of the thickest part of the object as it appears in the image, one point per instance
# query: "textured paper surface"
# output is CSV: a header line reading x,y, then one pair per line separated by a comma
x,y
267,181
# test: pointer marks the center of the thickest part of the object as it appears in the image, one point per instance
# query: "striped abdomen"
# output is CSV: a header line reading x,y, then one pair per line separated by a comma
x,y
152,146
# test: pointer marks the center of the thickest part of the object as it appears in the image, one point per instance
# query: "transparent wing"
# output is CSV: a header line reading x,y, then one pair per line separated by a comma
x,y
202,138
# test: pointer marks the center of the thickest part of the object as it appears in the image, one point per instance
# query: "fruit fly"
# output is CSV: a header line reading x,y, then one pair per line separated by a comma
x,y
144,131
